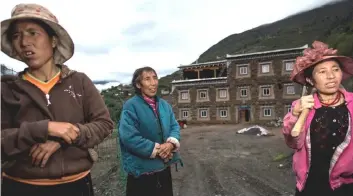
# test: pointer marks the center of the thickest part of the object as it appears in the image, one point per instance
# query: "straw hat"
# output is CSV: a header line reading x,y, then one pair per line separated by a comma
x,y
65,46
312,56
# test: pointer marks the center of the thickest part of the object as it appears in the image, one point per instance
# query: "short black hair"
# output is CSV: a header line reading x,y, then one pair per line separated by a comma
x,y
308,73
50,31
137,76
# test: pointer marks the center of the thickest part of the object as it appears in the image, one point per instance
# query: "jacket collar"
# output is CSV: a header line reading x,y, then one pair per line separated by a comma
x,y
157,98
17,82
65,71
347,96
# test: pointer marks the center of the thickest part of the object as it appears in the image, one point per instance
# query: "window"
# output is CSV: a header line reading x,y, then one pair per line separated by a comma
x,y
290,90
289,65
243,92
184,113
164,92
184,95
223,113
267,111
265,68
203,113
287,108
203,94
266,91
243,70
222,93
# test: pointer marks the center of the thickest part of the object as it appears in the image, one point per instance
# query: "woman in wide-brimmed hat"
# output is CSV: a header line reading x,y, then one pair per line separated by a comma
x,y
51,116
323,158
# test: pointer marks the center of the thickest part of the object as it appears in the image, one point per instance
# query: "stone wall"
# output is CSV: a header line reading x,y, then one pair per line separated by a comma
x,y
277,78
212,104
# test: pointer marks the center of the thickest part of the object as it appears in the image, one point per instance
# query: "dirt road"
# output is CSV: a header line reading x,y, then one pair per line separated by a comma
x,y
219,162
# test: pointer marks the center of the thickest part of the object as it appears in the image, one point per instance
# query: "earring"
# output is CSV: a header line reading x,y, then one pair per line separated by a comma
x,y
308,80
54,42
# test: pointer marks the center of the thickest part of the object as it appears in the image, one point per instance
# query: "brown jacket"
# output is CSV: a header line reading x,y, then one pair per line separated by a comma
x,y
25,116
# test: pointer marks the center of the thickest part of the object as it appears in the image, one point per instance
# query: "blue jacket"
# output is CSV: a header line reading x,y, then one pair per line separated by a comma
x,y
139,130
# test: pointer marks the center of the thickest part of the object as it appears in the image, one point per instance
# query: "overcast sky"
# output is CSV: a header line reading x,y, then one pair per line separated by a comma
x,y
113,38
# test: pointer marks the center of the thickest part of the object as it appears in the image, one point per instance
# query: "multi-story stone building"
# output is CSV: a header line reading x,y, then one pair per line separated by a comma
x,y
7,71
252,87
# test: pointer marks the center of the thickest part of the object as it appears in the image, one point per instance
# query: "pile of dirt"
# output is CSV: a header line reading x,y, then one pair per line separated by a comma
x,y
255,130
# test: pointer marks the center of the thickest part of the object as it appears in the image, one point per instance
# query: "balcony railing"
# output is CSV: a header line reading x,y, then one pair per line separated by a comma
x,y
201,81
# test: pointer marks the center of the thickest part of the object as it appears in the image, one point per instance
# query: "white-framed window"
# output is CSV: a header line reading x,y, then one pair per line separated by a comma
x,y
243,70
287,108
267,111
265,68
290,90
203,94
203,113
266,91
289,65
184,113
223,113
243,92
184,95
222,93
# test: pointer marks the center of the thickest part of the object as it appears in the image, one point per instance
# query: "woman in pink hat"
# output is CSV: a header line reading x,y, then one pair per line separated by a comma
x,y
51,116
323,158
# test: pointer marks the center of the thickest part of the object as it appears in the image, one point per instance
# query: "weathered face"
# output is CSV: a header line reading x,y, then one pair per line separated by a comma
x,y
327,77
33,44
148,84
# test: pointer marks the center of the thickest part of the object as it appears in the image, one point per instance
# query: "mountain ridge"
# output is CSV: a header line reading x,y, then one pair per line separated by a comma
x,y
331,23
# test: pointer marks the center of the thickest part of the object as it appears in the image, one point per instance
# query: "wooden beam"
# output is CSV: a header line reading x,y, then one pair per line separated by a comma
x,y
208,67
213,68
201,69
193,70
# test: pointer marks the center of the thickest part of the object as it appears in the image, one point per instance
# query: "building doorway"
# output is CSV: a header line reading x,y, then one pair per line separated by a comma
x,y
244,115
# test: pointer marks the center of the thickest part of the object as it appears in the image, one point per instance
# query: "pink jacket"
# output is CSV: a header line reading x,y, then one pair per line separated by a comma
x,y
341,170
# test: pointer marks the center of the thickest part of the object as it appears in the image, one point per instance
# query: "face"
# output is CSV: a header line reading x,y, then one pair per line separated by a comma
x,y
32,43
327,77
148,84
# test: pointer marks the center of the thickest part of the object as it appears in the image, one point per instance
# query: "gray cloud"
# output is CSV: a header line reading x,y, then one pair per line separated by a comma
x,y
166,72
147,6
139,28
125,77
155,44
94,50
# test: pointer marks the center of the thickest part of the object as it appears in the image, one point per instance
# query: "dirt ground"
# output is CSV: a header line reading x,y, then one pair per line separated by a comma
x,y
220,162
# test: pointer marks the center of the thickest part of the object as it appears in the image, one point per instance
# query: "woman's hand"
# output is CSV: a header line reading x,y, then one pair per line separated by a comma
x,y
165,150
305,102
40,153
66,131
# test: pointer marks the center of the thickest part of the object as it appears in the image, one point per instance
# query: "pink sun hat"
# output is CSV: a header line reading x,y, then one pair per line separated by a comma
x,y
312,56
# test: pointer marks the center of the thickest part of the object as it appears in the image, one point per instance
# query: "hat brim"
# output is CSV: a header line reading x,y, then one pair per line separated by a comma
x,y
64,49
347,68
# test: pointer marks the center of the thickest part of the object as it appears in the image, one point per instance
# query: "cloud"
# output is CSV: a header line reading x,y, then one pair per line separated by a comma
x,y
139,28
113,38
104,49
101,87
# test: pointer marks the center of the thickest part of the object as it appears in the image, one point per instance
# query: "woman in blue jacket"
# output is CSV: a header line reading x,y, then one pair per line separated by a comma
x,y
149,138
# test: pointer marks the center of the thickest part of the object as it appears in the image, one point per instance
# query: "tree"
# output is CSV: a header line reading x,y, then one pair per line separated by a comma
x,y
114,98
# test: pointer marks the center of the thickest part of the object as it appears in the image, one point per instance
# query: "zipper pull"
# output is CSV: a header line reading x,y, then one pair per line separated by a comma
x,y
48,97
